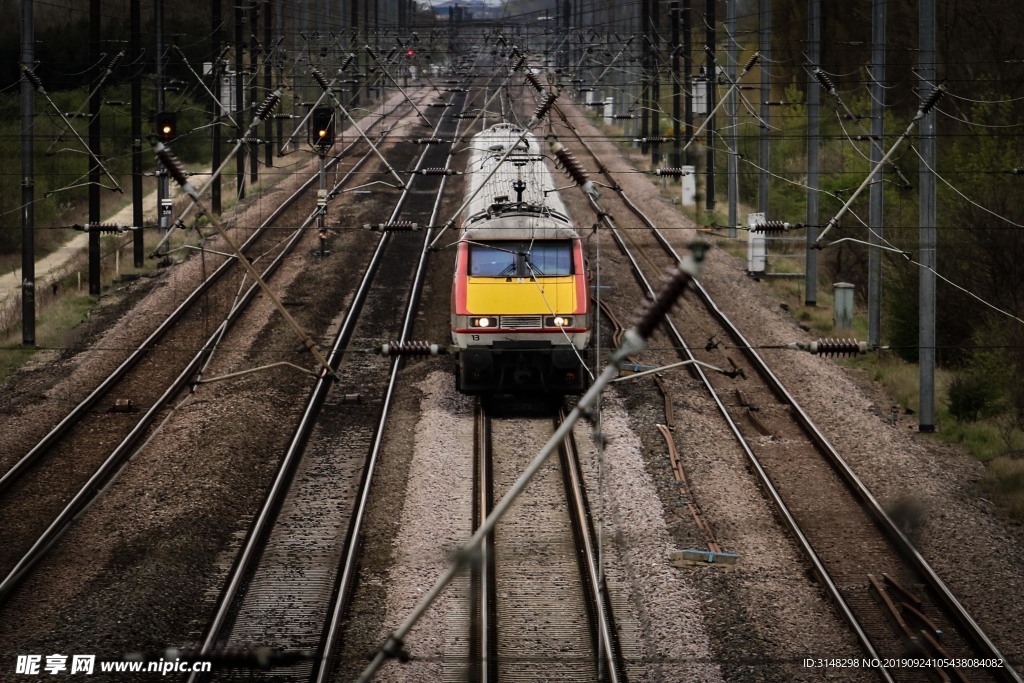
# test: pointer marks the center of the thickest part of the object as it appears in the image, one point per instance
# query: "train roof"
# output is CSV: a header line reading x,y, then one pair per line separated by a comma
x,y
513,196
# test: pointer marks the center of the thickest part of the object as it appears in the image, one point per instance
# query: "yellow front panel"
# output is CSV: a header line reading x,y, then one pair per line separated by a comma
x,y
520,296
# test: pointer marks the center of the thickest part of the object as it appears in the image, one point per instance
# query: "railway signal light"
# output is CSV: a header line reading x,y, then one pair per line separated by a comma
x,y
322,128
410,53
166,125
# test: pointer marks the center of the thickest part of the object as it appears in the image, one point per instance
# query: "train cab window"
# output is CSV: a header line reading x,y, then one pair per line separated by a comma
x,y
551,258
520,259
491,261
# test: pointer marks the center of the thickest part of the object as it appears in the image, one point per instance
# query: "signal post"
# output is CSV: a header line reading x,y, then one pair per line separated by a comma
x,y
321,134
166,129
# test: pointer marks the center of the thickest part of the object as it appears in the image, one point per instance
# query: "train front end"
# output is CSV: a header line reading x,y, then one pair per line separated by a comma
x,y
521,317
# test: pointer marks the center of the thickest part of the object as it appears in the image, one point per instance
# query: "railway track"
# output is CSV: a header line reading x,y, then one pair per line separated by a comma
x,y
85,447
539,605
309,527
894,602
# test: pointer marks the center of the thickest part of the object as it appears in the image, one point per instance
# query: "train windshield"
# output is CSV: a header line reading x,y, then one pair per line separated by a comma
x,y
520,259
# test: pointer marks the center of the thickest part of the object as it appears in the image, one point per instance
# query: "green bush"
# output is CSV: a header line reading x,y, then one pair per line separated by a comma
x,y
973,396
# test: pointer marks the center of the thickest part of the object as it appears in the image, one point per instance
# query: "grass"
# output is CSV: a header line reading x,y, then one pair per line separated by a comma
x,y
55,329
1005,485
59,317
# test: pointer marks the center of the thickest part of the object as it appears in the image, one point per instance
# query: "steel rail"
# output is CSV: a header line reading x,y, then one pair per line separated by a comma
x,y
347,568
247,560
94,397
604,634
787,517
94,487
951,605
97,482
483,640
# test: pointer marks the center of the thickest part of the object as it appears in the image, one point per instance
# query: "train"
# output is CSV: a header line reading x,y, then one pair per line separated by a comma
x,y
521,313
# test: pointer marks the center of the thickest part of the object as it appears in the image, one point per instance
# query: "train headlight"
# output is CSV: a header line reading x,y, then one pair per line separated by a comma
x,y
558,321
483,322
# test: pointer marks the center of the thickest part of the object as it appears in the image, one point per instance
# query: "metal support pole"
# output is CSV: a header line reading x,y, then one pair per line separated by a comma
x,y
268,81
239,94
677,159
656,85
709,19
278,59
813,152
764,156
251,149
218,101
94,148
928,238
28,180
876,193
163,190
645,73
687,72
732,111
135,49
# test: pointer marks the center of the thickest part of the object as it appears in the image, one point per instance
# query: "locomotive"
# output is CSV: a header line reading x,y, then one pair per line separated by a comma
x,y
520,309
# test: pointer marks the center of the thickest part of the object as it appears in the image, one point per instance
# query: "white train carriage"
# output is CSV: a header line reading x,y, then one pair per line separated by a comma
x,y
521,317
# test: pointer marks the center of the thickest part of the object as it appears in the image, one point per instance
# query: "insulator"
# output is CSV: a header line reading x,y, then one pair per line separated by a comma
x,y
1017,171
116,61
437,171
932,100
655,310
824,80
545,106
347,62
32,78
320,80
751,62
177,51
674,172
430,141
369,51
264,110
519,64
390,55
439,104
107,227
235,656
624,116
534,81
411,348
775,226
170,163
596,105
100,228
653,139
838,347
394,226
568,163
